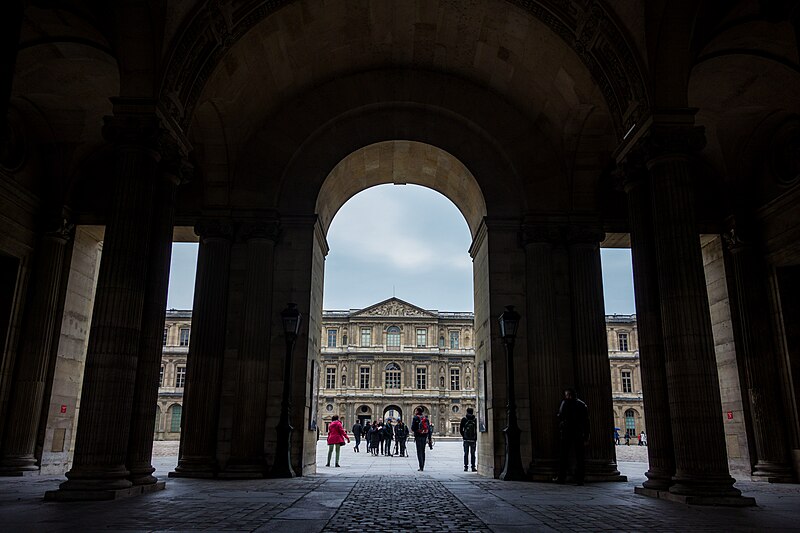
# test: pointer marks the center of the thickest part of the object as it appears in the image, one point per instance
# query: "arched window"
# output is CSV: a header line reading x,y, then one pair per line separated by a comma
x,y
441,341
630,422
393,337
392,376
175,419
344,339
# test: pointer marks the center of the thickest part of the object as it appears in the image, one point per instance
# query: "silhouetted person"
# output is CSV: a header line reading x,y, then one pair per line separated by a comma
x,y
573,423
357,429
421,430
469,432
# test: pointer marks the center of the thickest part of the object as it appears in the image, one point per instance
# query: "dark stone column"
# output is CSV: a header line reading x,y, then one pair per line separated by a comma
x,y
592,375
198,450
756,354
701,463
247,443
660,451
110,373
140,443
33,358
545,381
10,26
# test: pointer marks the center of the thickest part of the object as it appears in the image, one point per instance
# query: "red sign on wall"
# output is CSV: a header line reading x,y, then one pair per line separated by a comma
x,y
730,415
63,409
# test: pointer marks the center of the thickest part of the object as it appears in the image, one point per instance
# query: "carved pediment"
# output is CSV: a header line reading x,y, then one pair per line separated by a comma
x,y
394,307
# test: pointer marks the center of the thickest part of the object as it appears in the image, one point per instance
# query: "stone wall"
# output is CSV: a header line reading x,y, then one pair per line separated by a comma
x,y
64,405
729,378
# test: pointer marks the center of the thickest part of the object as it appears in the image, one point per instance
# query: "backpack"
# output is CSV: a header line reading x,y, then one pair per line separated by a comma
x,y
423,426
471,429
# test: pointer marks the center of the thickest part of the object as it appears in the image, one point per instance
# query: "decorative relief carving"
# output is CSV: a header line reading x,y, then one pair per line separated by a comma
x,y
214,228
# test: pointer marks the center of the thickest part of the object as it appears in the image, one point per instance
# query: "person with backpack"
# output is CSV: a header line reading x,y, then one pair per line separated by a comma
x,y
469,432
421,429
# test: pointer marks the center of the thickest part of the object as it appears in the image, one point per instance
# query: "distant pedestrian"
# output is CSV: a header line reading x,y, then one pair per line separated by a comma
x,y
616,437
573,423
374,438
644,438
627,439
336,438
401,436
469,432
421,429
388,435
639,438
357,429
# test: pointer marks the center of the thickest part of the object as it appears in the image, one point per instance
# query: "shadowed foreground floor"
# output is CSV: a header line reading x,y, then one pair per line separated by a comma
x,y
387,494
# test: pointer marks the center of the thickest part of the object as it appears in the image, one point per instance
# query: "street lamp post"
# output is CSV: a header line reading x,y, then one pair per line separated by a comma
x,y
291,319
513,470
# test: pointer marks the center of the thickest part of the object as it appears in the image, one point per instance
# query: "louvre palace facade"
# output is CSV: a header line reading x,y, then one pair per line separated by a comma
x,y
400,357
555,127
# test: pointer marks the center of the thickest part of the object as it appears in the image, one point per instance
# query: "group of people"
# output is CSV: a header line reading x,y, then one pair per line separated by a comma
x,y
641,438
379,437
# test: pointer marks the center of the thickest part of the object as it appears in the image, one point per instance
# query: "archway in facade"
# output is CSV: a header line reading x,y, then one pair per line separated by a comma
x,y
392,414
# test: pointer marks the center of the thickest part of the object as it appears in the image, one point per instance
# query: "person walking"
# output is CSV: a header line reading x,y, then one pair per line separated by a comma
x,y
644,438
573,417
336,438
469,432
357,429
421,430
401,436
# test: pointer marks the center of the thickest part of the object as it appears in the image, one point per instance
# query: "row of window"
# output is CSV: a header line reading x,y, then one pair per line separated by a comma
x,y
393,378
392,338
183,337
180,377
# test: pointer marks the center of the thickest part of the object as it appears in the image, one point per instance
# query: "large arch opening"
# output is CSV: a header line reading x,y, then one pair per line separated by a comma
x,y
397,162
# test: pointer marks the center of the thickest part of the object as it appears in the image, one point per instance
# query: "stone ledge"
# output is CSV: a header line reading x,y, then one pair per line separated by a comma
x,y
721,501
194,475
95,495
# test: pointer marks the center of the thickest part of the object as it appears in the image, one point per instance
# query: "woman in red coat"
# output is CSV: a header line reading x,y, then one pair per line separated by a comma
x,y
336,438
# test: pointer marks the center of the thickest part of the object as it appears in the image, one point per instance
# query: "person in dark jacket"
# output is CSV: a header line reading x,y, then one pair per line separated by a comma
x,y
421,429
573,423
469,432
357,429
388,435
401,436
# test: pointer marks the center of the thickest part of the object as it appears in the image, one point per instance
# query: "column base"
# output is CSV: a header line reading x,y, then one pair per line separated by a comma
x,y
142,475
96,479
243,470
721,501
657,480
772,473
62,495
543,470
603,470
202,468
18,465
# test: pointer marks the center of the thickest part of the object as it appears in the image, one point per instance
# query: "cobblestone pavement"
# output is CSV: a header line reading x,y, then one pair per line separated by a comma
x,y
385,494
426,506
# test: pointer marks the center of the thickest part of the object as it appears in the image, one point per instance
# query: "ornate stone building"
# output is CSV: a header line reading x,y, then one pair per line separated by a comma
x,y
245,125
389,358
626,378
172,376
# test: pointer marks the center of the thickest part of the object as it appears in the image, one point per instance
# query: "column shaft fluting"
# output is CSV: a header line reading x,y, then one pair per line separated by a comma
x,y
545,385
593,379
701,463
247,445
200,420
33,357
101,443
660,450
755,351
140,443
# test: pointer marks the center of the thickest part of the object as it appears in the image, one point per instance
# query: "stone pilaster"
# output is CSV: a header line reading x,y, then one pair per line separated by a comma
x,y
592,377
660,449
140,443
30,372
757,356
247,444
110,374
544,380
198,457
701,465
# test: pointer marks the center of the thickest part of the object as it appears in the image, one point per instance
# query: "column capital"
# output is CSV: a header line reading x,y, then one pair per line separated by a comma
x,y
262,229
214,228
667,133
60,229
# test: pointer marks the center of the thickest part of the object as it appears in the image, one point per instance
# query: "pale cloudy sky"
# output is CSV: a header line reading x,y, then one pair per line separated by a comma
x,y
404,240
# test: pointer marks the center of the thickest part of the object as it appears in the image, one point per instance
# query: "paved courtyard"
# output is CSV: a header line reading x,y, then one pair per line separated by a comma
x,y
387,494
